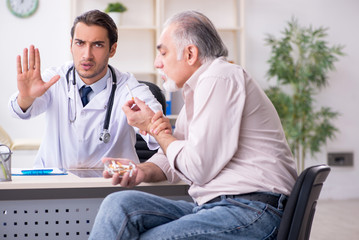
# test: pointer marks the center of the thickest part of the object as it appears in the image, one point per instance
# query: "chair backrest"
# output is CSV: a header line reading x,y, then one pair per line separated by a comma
x,y
157,92
142,150
300,209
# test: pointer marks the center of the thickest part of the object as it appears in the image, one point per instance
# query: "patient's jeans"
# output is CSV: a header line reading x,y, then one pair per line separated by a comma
x,y
137,215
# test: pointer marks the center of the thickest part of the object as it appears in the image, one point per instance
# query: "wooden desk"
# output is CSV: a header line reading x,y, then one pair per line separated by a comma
x,y
62,206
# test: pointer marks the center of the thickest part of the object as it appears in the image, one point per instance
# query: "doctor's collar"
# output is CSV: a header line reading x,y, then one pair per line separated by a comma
x,y
97,86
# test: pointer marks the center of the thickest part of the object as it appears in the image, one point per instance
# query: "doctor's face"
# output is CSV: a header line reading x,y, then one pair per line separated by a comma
x,y
90,48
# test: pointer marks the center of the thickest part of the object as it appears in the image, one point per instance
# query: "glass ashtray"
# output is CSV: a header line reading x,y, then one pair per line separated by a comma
x,y
115,166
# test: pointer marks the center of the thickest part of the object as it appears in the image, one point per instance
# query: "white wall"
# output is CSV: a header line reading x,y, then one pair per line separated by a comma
x,y
49,30
270,16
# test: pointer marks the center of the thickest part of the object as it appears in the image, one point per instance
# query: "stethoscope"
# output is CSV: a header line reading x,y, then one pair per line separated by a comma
x,y
105,135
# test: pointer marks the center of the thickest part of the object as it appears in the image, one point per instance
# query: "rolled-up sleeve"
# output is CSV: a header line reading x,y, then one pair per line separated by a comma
x,y
161,161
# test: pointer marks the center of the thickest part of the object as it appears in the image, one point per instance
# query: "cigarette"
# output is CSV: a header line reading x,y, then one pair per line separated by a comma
x,y
129,90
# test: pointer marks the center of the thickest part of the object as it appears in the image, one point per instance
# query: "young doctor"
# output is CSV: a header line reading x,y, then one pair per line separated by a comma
x,y
82,99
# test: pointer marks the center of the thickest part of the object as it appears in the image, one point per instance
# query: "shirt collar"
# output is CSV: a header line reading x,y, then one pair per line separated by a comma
x,y
191,83
96,87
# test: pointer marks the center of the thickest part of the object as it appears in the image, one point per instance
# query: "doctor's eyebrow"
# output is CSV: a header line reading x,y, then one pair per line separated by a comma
x,y
92,43
102,43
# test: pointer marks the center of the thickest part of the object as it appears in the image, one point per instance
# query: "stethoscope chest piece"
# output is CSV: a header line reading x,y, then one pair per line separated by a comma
x,y
105,136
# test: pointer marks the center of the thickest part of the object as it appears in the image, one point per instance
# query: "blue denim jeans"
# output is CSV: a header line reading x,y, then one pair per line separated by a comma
x,y
137,215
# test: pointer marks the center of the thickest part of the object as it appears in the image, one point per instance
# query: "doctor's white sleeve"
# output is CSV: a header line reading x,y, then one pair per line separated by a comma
x,y
143,92
15,109
38,106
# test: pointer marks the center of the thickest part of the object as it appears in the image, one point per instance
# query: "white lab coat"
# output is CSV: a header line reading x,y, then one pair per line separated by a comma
x,y
76,145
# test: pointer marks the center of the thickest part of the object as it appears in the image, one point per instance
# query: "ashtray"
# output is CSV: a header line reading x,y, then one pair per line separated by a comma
x,y
115,166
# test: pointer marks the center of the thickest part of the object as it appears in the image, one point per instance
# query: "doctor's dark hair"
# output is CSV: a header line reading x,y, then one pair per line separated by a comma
x,y
195,28
98,18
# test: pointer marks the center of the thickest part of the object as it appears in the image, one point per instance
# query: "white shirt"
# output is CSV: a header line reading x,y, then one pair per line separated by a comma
x,y
230,139
76,145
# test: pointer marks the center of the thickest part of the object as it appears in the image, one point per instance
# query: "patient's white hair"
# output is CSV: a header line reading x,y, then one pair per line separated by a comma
x,y
195,28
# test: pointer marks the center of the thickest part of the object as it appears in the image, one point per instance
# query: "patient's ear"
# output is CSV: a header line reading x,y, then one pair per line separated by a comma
x,y
191,54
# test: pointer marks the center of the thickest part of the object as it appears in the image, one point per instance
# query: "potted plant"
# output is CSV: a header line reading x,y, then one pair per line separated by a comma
x,y
115,11
299,62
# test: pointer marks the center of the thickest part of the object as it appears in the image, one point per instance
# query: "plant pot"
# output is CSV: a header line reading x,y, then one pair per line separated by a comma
x,y
116,17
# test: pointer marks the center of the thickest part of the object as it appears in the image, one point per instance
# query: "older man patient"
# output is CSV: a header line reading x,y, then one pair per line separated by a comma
x,y
228,145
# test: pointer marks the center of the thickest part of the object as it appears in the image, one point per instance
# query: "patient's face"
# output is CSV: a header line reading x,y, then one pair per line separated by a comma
x,y
167,59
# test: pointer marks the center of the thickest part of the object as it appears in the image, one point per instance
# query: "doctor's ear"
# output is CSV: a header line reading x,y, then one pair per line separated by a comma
x,y
113,49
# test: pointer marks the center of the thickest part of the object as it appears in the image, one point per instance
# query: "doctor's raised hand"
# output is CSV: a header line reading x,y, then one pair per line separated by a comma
x,y
29,81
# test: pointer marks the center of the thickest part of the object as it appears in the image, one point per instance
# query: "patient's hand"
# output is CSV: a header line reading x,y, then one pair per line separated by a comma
x,y
160,123
138,114
125,178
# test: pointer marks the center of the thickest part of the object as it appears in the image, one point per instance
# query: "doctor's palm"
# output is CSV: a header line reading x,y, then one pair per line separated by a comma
x,y
29,81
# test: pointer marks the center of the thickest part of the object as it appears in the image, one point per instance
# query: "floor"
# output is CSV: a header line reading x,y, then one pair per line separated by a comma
x,y
336,220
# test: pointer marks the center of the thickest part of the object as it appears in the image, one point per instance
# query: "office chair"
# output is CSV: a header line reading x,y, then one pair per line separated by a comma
x,y
300,209
142,150
18,144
